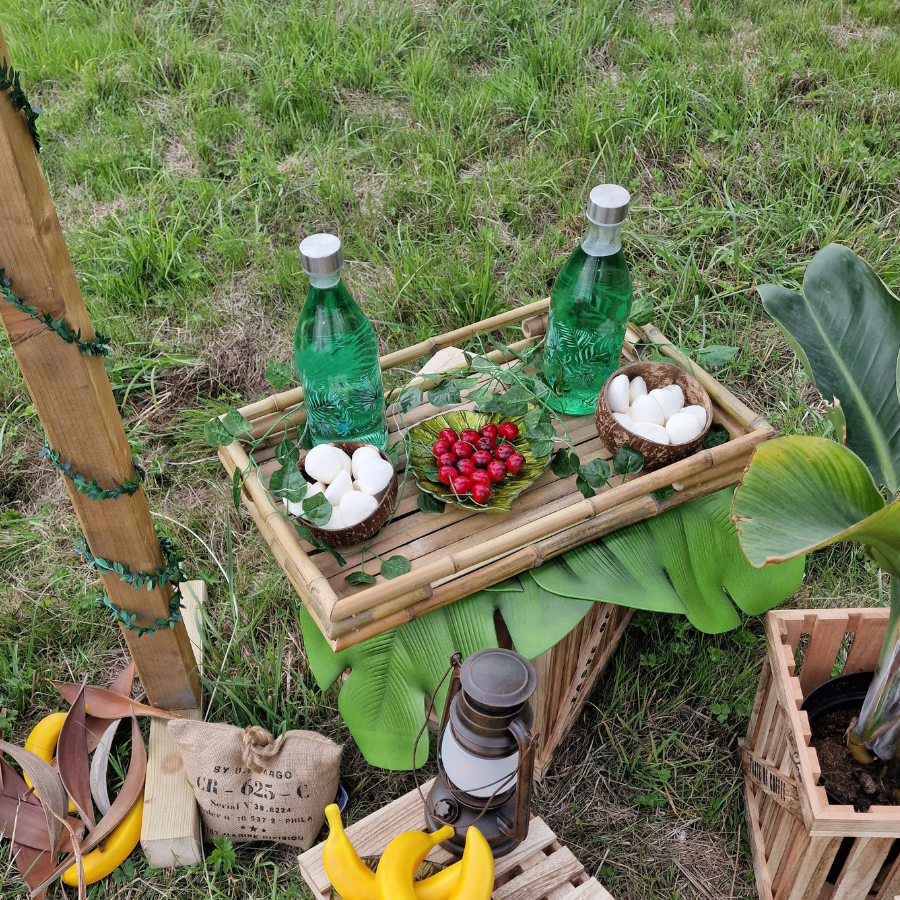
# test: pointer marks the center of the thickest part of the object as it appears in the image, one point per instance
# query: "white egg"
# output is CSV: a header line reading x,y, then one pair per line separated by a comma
x,y
367,452
356,507
637,388
697,411
324,462
646,409
617,395
335,522
683,427
374,475
623,419
668,401
339,487
677,391
655,433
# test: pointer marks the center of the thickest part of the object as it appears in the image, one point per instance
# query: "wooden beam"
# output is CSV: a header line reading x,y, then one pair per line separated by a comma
x,y
76,407
171,832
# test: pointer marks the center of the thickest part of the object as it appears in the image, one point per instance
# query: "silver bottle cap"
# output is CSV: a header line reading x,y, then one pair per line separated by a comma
x,y
321,254
608,204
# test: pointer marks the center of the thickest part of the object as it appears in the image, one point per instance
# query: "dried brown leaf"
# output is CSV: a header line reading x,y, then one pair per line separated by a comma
x,y
105,704
74,763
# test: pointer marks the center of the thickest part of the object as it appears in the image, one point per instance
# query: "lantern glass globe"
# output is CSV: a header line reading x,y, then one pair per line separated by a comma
x,y
473,774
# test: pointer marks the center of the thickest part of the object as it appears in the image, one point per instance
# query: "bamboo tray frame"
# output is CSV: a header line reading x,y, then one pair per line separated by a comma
x,y
461,552
805,848
540,868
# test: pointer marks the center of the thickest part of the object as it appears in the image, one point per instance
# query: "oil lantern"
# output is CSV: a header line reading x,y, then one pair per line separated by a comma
x,y
486,752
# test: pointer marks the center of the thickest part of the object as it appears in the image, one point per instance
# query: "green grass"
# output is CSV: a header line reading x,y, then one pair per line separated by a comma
x,y
451,144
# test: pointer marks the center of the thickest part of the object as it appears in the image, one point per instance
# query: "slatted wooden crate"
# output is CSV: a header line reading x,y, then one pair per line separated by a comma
x,y
456,553
540,868
805,848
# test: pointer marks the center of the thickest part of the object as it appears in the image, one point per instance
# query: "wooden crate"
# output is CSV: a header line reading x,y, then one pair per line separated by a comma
x,y
540,868
456,553
805,848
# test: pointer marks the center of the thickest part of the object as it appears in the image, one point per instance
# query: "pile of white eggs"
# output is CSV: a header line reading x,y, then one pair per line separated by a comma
x,y
352,485
658,415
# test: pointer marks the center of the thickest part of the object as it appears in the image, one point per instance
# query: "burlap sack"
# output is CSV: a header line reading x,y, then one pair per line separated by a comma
x,y
250,787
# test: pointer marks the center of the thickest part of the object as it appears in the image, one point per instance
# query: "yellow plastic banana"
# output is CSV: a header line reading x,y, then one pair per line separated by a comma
x,y
353,880
42,742
116,848
398,864
476,879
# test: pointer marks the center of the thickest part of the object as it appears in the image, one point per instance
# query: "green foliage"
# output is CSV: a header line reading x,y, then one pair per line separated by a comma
x,y
429,504
395,567
223,431
279,375
715,355
628,461
11,85
91,489
223,858
717,435
317,509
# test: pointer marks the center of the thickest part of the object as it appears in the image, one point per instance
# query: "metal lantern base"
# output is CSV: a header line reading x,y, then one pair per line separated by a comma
x,y
496,824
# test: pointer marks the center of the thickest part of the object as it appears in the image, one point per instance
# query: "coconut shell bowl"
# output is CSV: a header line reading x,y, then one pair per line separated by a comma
x,y
656,375
368,528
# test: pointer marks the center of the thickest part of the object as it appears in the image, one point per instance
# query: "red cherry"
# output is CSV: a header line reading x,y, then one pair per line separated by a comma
x,y
481,458
504,452
441,447
462,486
489,431
449,435
479,476
447,459
446,474
470,435
486,443
481,493
515,463
465,467
496,470
507,430
462,449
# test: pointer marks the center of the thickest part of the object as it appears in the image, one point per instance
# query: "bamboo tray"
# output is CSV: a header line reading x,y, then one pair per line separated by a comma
x,y
456,553
540,868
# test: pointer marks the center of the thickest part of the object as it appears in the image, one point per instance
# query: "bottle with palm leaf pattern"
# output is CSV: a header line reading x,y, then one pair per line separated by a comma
x,y
336,353
589,308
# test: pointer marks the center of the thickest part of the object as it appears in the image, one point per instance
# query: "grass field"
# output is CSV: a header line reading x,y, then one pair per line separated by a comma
x,y
451,144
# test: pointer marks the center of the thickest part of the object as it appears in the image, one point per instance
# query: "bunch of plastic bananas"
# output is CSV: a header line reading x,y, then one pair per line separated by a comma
x,y
472,878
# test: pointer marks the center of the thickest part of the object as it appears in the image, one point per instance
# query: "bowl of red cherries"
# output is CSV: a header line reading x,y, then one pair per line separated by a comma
x,y
473,460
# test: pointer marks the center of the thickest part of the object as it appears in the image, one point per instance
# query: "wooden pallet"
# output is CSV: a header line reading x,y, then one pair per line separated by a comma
x,y
540,868
804,847
456,553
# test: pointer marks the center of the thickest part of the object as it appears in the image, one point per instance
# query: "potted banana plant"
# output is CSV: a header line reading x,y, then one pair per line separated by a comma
x,y
800,494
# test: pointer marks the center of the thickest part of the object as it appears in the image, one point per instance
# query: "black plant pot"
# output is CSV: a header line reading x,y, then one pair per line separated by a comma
x,y
843,692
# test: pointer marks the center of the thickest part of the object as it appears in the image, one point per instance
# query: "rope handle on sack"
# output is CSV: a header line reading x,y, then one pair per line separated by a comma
x,y
257,743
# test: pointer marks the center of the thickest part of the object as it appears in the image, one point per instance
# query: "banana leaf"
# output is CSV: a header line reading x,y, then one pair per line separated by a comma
x,y
685,561
845,327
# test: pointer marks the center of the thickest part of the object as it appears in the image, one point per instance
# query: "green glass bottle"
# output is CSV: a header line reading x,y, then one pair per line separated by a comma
x,y
589,308
336,353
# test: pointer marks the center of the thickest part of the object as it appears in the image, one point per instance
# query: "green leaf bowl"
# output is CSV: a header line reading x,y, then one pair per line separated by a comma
x,y
424,465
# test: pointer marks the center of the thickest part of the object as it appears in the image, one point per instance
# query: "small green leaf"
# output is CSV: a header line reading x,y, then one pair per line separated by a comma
x,y
541,438
317,509
236,424
718,434
628,461
395,567
641,310
582,484
597,472
482,364
237,482
288,484
663,493
279,374
715,355
216,434
480,395
430,504
306,535
444,394
431,473
360,578
287,453
512,404
564,463
410,399
536,416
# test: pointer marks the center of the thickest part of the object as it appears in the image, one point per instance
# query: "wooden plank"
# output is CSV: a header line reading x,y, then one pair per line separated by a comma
x,y
823,649
808,878
760,867
890,889
77,410
170,830
867,642
590,890
547,874
862,867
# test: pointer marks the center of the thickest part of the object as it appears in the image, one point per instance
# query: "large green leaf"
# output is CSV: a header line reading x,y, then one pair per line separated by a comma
x,y
803,493
383,699
687,560
847,325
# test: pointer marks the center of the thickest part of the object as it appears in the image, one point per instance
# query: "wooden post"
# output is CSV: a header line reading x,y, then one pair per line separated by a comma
x,y
75,404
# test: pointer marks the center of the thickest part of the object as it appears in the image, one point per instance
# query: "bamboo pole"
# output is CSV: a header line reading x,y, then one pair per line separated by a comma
x,y
76,407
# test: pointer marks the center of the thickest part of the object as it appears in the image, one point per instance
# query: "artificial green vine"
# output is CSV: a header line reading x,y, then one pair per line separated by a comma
x,y
169,574
10,84
99,346
91,489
